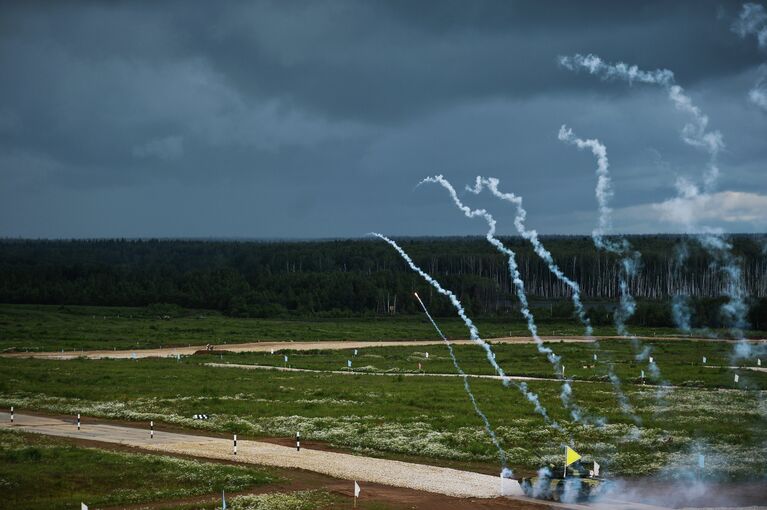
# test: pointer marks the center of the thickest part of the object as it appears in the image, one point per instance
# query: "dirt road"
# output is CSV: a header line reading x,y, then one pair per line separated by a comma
x,y
438,480
307,346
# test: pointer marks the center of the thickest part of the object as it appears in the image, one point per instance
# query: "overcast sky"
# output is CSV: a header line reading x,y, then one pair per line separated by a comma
x,y
317,119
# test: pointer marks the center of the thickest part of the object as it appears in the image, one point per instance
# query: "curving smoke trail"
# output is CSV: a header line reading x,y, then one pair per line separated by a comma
x,y
490,432
491,184
519,285
753,21
630,258
696,134
473,332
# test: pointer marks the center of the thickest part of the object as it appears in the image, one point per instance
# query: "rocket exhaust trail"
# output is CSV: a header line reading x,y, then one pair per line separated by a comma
x,y
629,257
519,285
473,332
491,183
467,387
696,134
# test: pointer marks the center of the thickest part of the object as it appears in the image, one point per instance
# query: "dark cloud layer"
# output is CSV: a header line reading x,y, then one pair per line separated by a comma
x,y
314,119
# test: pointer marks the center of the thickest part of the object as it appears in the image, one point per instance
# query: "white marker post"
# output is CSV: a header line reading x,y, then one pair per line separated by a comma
x,y
704,360
595,357
759,362
563,370
235,444
151,429
298,441
642,376
427,355
78,421
736,378
286,360
355,352
652,360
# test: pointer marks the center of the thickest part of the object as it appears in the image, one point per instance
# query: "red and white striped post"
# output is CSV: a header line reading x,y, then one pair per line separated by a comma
x,y
151,429
11,414
298,441
235,444
78,421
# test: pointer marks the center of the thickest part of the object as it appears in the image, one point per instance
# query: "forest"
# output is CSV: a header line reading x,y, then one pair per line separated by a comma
x,y
367,277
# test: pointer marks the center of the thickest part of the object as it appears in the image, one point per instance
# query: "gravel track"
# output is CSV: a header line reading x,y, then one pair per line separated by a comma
x,y
433,479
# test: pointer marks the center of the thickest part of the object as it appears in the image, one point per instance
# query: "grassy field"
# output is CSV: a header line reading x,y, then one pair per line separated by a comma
x,y
52,328
680,361
428,419
43,472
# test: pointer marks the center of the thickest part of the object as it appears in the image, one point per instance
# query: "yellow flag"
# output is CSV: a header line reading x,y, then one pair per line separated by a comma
x,y
571,456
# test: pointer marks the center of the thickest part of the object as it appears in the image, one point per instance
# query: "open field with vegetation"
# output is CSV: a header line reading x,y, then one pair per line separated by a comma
x,y
427,419
52,328
52,473
680,361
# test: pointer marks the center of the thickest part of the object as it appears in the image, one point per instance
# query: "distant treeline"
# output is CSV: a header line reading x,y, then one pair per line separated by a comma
x,y
266,279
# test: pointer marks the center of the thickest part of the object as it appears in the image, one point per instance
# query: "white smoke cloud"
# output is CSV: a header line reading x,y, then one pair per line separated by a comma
x,y
753,21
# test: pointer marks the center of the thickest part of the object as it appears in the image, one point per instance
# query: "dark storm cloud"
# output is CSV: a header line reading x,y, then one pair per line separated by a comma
x,y
317,118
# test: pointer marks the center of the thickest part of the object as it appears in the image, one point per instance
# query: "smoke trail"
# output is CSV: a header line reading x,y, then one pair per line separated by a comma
x,y
519,285
473,332
491,184
630,258
531,235
467,387
696,134
753,21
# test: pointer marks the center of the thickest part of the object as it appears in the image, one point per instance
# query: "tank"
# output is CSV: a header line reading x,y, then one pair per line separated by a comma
x,y
550,483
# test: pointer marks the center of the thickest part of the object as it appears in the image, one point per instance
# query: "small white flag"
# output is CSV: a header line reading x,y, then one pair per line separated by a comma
x,y
652,360
356,490
83,506
704,360
427,355
736,377
286,358
595,357
349,363
596,469
355,352
759,361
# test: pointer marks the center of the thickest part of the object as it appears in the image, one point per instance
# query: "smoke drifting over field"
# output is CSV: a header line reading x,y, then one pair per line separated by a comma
x,y
467,387
519,286
695,133
473,332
